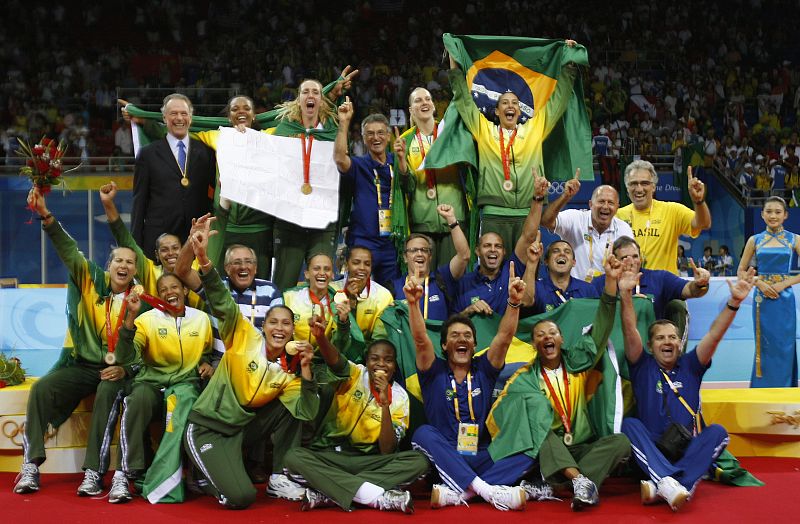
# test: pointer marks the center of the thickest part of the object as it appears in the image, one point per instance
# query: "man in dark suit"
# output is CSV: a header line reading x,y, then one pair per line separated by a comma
x,y
174,179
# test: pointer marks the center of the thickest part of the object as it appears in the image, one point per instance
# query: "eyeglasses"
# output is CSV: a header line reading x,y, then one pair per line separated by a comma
x,y
379,134
640,183
414,250
241,262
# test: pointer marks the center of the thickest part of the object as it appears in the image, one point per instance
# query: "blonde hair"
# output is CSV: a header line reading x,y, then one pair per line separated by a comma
x,y
291,110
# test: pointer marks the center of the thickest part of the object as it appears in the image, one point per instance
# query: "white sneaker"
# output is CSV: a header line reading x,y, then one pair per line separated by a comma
x,y
92,484
538,491
507,498
28,479
673,492
280,487
649,492
396,500
584,493
442,496
119,492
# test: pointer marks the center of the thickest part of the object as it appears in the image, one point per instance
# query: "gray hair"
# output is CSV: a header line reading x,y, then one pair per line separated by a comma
x,y
176,96
374,118
640,164
229,252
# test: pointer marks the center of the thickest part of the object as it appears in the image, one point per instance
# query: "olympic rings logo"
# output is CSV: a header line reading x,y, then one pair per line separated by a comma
x,y
555,188
13,431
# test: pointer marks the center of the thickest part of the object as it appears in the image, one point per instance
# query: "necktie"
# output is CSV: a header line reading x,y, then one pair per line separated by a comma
x,y
182,156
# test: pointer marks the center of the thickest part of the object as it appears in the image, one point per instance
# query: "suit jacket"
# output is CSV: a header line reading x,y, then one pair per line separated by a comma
x,y
160,203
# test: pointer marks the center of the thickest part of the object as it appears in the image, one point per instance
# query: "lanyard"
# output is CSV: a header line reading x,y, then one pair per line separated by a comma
x,y
307,158
425,307
430,174
590,238
566,417
283,359
378,187
504,152
560,296
253,308
111,337
469,397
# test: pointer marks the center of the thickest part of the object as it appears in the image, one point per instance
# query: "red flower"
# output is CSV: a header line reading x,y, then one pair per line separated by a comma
x,y
55,173
42,166
38,149
3,384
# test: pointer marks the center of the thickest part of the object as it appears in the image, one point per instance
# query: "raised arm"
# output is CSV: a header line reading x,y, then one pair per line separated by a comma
x,y
340,155
630,334
423,345
603,321
534,253
739,291
531,226
508,325
463,100
387,438
329,353
459,262
697,191
697,287
183,266
571,188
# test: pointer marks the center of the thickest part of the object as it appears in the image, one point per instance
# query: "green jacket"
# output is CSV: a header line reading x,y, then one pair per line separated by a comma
x,y
245,379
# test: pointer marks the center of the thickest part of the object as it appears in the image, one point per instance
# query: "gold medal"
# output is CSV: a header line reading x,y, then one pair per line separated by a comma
x,y
110,359
185,181
508,185
340,298
291,348
138,289
568,439
306,189
431,193
758,298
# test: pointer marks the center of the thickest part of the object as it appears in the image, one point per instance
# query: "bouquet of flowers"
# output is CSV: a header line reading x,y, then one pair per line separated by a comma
x,y
11,372
43,164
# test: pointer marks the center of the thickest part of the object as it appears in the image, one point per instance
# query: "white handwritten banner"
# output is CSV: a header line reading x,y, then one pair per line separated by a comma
x,y
265,172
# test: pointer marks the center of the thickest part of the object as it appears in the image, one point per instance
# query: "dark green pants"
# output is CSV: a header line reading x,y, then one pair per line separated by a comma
x,y
55,396
509,229
272,421
293,245
218,457
339,475
594,460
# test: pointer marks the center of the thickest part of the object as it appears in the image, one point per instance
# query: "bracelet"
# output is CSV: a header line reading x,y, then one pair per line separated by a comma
x,y
46,217
700,203
732,308
538,199
454,224
206,266
515,306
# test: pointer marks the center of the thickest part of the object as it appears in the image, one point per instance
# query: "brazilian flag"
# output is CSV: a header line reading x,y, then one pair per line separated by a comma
x,y
529,67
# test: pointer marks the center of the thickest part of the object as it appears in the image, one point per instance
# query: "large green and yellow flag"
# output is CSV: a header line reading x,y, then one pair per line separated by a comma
x,y
529,67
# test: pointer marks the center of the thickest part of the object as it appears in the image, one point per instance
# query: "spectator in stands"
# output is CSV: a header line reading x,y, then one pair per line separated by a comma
x,y
724,267
683,262
123,138
708,261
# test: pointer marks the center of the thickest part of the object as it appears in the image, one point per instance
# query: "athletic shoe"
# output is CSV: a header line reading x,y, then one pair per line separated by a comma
x,y
649,492
584,493
442,496
673,492
280,487
396,500
315,499
507,498
119,493
542,491
28,479
92,484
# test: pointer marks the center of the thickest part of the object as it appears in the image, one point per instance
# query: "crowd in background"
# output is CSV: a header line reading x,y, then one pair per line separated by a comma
x,y
662,77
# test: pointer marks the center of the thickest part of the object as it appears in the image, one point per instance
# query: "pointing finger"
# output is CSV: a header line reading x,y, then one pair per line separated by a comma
x,y
511,272
577,174
689,172
396,132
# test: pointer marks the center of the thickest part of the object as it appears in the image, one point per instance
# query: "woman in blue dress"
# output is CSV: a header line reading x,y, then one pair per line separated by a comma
x,y
774,318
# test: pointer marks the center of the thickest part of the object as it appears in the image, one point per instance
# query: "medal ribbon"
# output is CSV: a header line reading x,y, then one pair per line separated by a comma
x,y
111,337
504,152
284,358
315,300
566,418
375,393
425,307
469,397
307,157
159,304
430,174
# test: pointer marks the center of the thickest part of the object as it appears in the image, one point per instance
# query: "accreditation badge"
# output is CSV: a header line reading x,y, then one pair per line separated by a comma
x,y
385,222
467,438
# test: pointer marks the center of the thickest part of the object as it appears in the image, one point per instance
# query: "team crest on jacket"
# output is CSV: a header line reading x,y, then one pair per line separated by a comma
x,y
252,366
162,332
357,394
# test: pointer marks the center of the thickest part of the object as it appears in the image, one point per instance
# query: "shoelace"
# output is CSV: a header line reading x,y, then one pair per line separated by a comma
x,y
28,472
541,492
